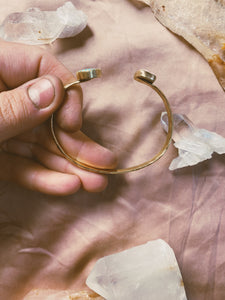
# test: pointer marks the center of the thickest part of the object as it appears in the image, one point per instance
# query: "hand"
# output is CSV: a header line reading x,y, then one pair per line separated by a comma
x,y
31,86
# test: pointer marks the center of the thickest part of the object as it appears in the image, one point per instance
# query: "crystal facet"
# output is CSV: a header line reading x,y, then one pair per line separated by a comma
x,y
194,144
42,27
148,271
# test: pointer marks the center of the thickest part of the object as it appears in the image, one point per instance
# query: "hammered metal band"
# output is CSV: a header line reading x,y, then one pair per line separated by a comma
x,y
142,76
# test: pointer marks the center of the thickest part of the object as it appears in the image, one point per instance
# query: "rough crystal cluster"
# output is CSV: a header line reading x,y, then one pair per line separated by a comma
x,y
42,27
148,271
194,144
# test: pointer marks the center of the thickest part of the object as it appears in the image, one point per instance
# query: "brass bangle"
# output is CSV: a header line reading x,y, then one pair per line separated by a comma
x,y
141,76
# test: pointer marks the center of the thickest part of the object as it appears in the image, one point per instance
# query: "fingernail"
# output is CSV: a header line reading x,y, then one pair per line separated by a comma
x,y
42,93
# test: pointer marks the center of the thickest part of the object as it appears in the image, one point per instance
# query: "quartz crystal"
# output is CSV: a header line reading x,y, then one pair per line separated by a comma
x,y
42,27
194,144
148,271
201,23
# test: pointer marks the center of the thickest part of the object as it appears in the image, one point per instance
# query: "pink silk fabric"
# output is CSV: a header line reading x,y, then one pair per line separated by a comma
x,y
184,207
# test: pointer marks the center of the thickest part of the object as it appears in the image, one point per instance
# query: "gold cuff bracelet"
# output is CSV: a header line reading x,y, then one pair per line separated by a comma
x,y
141,76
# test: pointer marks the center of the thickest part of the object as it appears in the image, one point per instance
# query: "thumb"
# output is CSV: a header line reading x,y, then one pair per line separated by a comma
x,y
29,105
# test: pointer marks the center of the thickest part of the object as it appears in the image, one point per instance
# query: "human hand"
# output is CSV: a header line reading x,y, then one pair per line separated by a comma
x,y
31,86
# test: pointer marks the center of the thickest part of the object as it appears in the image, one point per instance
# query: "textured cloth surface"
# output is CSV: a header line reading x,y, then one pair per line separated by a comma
x,y
185,207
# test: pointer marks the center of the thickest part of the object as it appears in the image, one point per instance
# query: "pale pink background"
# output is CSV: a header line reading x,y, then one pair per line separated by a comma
x,y
185,207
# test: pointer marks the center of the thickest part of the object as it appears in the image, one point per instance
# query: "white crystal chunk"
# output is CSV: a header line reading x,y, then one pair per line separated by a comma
x,y
194,144
42,27
148,271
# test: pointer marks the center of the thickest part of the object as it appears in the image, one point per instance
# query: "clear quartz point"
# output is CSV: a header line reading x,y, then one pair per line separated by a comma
x,y
43,27
148,271
194,144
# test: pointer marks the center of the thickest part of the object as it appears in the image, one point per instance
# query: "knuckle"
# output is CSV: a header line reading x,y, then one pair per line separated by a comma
x,y
12,108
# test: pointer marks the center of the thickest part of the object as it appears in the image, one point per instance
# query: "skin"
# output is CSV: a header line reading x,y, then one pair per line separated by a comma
x,y
29,155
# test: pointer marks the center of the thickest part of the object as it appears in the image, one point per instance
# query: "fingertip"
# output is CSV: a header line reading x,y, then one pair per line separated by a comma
x,y
69,116
59,91
98,156
93,183
70,185
109,158
99,185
